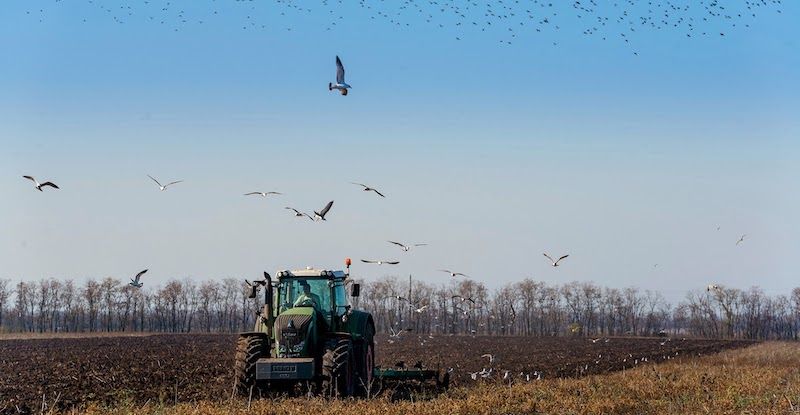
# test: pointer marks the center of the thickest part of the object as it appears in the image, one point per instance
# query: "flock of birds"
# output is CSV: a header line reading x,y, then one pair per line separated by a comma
x,y
321,216
317,216
628,15
508,21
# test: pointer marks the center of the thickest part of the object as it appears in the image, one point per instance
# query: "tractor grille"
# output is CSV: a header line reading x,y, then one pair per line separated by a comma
x,y
289,336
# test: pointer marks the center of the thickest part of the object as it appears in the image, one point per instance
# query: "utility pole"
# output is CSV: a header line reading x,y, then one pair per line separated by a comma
x,y
409,302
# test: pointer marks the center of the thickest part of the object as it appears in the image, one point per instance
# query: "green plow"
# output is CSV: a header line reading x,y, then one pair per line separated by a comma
x,y
412,381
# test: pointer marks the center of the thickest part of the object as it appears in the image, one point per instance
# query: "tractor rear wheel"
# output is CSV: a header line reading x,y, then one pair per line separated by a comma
x,y
249,349
337,369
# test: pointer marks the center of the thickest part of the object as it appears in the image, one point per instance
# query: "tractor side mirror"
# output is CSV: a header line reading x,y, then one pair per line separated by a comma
x,y
356,290
253,292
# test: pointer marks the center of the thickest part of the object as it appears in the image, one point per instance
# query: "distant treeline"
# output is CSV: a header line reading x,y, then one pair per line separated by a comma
x,y
527,307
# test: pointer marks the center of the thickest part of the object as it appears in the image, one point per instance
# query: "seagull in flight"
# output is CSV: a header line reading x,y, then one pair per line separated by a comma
x,y
741,239
379,262
340,84
163,187
263,194
39,186
463,299
321,214
404,247
712,287
299,213
555,262
489,356
454,274
369,189
135,280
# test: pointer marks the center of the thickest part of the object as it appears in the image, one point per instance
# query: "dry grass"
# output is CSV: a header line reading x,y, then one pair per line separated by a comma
x,y
762,379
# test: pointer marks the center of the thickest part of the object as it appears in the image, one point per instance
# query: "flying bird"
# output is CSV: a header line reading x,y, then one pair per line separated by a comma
x,y
555,262
263,194
489,356
454,274
741,239
299,213
399,298
163,187
40,185
404,247
421,309
321,214
463,299
369,189
379,262
255,283
712,287
135,280
340,84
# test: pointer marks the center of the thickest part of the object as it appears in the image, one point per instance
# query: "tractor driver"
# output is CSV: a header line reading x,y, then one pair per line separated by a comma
x,y
307,297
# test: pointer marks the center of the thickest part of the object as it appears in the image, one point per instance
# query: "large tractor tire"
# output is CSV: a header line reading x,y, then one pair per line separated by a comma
x,y
337,369
365,363
249,349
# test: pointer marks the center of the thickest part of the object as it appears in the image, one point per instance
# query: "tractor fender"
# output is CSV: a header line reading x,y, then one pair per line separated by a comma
x,y
357,325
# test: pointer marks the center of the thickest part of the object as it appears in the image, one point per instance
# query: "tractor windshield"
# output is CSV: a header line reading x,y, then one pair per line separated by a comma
x,y
309,292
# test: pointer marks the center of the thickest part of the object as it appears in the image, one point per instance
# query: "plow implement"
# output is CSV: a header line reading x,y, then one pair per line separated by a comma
x,y
402,383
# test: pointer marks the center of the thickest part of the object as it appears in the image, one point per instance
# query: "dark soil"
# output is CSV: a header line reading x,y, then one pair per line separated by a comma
x,y
71,372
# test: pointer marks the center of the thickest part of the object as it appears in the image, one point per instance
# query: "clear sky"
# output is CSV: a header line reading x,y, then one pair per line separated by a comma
x,y
622,154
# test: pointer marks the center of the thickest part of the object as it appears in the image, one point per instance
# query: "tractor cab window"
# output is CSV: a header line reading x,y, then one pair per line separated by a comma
x,y
311,292
340,298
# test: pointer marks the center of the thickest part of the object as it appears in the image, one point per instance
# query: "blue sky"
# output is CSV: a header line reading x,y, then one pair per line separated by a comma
x,y
492,153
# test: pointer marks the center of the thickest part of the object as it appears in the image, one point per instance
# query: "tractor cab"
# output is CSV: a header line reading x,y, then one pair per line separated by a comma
x,y
322,290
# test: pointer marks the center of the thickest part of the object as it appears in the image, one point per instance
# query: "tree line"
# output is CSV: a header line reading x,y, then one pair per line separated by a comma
x,y
526,308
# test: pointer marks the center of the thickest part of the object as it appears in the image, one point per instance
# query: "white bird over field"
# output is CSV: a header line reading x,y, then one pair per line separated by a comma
x,y
379,262
555,262
396,333
163,187
741,239
463,299
135,280
405,247
263,194
712,287
421,310
454,274
369,189
299,213
489,356
40,185
321,214
340,84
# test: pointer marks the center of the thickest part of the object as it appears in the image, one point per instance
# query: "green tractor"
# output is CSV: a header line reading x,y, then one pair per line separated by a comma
x,y
307,334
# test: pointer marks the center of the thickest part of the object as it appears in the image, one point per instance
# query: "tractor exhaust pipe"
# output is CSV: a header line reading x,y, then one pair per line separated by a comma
x,y
268,301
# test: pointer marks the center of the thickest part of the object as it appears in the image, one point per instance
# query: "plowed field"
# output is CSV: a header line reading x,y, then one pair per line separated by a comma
x,y
168,368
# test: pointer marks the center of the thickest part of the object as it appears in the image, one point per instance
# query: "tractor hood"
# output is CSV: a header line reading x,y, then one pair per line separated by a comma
x,y
295,332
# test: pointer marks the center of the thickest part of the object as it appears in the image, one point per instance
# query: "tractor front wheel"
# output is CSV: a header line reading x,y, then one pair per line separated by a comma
x,y
337,369
249,349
